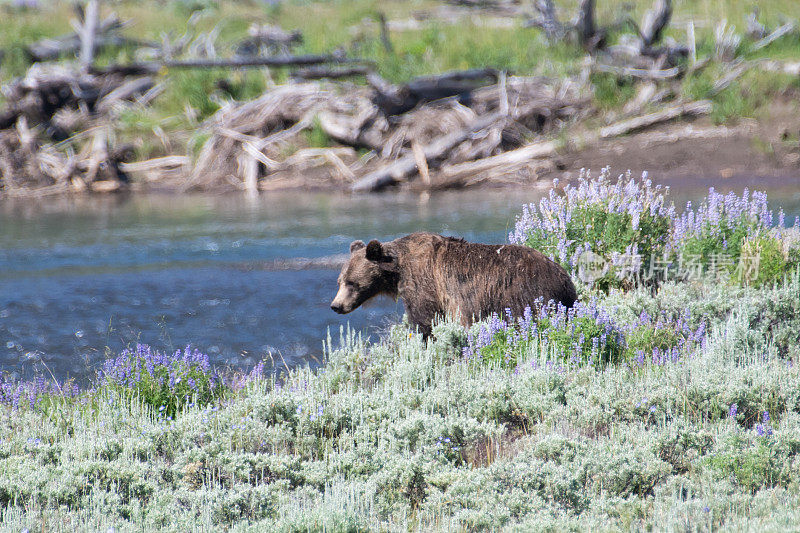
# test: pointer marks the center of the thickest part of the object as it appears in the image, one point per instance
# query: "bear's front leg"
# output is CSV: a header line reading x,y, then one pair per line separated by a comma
x,y
421,315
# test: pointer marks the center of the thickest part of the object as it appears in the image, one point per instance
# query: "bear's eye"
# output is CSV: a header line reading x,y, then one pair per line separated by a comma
x,y
352,285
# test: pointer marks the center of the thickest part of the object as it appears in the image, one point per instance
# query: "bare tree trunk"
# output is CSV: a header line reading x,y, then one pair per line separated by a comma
x,y
586,25
553,29
387,44
654,22
88,35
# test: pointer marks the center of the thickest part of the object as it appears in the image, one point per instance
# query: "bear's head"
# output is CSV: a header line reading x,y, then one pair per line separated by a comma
x,y
371,270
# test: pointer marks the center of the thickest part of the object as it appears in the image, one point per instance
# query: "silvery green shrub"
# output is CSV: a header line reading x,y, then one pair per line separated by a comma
x,y
691,422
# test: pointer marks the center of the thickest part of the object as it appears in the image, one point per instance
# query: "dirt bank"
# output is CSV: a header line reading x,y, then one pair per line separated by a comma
x,y
768,148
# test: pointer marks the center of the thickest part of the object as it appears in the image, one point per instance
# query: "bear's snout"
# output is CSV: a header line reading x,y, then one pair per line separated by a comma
x,y
339,304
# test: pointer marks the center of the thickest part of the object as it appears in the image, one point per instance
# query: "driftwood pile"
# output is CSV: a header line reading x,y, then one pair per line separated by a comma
x,y
429,123
453,129
320,130
57,125
55,134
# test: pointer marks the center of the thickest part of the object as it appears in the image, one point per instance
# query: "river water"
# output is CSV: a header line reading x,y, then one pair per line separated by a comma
x,y
229,275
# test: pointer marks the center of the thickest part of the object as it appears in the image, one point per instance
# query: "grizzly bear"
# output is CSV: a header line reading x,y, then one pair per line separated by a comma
x,y
437,276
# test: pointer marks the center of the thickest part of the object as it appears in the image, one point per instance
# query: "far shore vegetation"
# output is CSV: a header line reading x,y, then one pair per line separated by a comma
x,y
170,123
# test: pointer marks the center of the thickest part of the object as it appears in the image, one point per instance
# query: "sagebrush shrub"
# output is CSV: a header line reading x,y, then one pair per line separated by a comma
x,y
667,407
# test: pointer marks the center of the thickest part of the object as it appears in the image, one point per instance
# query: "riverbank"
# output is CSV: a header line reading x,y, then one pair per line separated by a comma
x,y
672,405
417,96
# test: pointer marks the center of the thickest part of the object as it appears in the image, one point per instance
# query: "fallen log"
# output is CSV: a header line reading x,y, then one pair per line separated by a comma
x,y
38,192
320,72
153,67
646,95
639,73
451,177
396,100
699,107
159,163
772,37
407,164
505,160
725,81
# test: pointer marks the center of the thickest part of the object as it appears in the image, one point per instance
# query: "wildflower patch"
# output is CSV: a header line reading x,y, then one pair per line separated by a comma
x,y
618,235
166,382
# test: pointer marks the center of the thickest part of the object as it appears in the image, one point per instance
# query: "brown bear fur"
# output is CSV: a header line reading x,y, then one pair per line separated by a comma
x,y
437,276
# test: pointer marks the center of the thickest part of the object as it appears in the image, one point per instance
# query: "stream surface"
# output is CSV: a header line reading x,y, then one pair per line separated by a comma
x,y
240,279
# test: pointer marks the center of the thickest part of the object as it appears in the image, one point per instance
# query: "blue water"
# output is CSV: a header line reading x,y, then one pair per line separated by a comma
x,y
85,277
82,278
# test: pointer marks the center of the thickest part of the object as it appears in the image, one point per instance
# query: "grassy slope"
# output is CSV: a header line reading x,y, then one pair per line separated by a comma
x,y
327,25
398,435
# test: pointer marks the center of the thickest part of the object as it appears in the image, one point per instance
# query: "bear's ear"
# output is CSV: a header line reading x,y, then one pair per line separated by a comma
x,y
374,251
356,245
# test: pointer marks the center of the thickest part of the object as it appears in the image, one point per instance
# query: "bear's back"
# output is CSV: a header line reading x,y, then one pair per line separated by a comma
x,y
480,279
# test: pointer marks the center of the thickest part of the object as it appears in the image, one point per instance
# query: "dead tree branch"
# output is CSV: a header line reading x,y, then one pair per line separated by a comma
x,y
320,72
548,20
52,48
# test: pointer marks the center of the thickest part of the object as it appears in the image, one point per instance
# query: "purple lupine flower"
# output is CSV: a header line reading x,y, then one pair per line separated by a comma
x,y
733,410
763,431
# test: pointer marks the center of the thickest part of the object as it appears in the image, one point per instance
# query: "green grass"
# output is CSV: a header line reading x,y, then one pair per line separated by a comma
x,y
611,92
316,136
